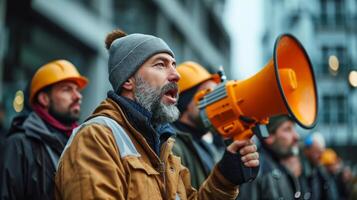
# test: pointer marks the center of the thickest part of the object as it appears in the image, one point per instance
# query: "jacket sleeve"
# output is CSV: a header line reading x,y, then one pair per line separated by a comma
x,y
90,167
216,187
14,165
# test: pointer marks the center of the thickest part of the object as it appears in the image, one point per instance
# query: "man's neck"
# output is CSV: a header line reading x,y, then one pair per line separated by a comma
x,y
127,94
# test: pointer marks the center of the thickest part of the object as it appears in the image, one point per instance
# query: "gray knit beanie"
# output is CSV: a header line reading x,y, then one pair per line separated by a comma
x,y
128,53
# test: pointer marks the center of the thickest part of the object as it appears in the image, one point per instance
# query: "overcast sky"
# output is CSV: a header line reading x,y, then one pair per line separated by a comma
x,y
243,19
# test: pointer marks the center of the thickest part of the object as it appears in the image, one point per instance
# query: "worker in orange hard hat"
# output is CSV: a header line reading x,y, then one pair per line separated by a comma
x,y
34,143
197,153
340,173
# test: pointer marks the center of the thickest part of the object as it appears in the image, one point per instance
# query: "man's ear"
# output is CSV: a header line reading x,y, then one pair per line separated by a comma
x,y
129,84
44,99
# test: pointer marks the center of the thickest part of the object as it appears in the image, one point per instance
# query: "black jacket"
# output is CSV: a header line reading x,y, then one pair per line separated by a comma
x,y
196,154
29,156
318,182
274,181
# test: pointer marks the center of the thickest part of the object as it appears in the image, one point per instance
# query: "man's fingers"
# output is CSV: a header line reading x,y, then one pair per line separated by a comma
x,y
252,163
251,148
251,156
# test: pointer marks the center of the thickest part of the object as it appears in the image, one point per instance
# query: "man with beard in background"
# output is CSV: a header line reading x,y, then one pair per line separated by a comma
x,y
35,141
123,150
274,180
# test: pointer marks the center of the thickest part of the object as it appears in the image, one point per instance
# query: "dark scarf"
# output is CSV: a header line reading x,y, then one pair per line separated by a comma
x,y
52,121
140,119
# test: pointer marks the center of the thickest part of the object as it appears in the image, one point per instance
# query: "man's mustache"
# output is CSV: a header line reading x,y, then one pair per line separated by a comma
x,y
168,87
79,102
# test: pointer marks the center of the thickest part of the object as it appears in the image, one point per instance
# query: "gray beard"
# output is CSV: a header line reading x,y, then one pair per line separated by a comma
x,y
284,153
150,98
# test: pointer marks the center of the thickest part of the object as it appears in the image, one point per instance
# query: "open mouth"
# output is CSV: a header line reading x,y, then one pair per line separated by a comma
x,y
75,106
171,95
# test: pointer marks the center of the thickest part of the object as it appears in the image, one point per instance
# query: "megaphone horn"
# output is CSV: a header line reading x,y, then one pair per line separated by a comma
x,y
286,85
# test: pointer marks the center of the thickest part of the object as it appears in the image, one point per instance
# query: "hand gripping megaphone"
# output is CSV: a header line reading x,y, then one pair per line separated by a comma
x,y
286,85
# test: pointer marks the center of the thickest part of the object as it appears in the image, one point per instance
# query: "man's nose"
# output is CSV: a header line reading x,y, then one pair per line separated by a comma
x,y
174,76
77,95
296,135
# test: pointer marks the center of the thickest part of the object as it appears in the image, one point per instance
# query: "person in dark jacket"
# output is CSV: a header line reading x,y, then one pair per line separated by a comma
x,y
198,155
275,180
35,141
340,172
320,184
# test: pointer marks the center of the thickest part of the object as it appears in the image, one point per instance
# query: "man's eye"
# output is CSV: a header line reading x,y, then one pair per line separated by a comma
x,y
159,65
66,88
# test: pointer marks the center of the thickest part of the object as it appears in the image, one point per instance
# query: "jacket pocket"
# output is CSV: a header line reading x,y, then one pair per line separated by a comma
x,y
143,180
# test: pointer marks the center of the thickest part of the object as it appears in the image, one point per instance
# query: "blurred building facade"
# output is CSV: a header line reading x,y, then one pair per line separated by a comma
x,y
325,28
34,32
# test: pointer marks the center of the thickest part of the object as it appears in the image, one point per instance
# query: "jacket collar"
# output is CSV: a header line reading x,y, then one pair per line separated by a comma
x,y
34,127
140,119
53,122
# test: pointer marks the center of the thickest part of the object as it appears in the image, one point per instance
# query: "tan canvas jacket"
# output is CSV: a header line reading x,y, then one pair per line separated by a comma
x,y
93,167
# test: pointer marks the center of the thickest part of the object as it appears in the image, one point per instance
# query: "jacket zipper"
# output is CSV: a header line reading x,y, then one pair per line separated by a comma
x,y
162,170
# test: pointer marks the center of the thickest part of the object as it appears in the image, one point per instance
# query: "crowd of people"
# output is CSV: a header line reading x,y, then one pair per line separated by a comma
x,y
146,140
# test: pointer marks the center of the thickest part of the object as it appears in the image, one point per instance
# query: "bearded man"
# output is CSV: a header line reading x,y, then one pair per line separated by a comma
x,y
276,180
30,152
123,151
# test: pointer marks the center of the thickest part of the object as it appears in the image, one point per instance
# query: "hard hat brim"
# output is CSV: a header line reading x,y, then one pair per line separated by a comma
x,y
81,81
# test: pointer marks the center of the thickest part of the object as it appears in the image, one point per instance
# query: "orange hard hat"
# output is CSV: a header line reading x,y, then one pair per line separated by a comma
x,y
193,74
54,72
328,157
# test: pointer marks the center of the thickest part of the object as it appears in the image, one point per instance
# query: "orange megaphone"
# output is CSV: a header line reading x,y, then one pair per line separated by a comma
x,y
286,85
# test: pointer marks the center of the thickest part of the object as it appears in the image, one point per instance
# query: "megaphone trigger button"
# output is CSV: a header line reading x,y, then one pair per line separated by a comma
x,y
247,120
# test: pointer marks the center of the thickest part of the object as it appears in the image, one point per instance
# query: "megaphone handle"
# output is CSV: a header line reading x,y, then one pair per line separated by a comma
x,y
248,173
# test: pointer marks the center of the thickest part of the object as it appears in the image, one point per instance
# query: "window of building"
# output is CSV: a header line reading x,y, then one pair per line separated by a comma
x,y
332,13
176,42
335,109
136,16
326,109
341,102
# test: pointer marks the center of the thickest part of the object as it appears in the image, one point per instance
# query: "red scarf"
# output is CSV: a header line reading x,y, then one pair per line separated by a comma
x,y
52,121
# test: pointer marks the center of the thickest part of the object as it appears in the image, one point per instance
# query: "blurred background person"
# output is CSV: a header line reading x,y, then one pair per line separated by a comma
x,y
340,173
315,176
32,147
198,155
275,180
